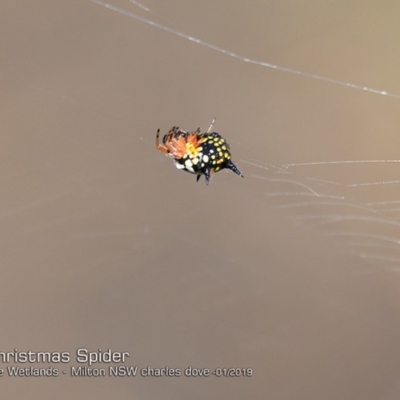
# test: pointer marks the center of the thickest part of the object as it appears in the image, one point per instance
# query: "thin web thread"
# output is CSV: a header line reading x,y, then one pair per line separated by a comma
x,y
245,59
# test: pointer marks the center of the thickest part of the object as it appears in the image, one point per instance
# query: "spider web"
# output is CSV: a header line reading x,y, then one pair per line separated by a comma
x,y
368,225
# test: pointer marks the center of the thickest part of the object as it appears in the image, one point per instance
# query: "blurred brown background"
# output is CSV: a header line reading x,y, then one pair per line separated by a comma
x,y
292,271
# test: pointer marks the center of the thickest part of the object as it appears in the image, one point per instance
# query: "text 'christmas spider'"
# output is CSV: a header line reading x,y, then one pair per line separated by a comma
x,y
197,153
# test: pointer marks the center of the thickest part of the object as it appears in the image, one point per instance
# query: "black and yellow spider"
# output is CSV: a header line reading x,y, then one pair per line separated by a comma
x,y
197,153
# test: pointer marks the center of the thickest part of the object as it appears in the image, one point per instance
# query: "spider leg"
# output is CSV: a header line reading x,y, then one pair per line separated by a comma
x,y
159,146
170,147
173,130
198,177
211,126
179,145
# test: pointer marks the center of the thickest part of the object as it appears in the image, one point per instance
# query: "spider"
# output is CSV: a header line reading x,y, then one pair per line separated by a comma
x,y
197,153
